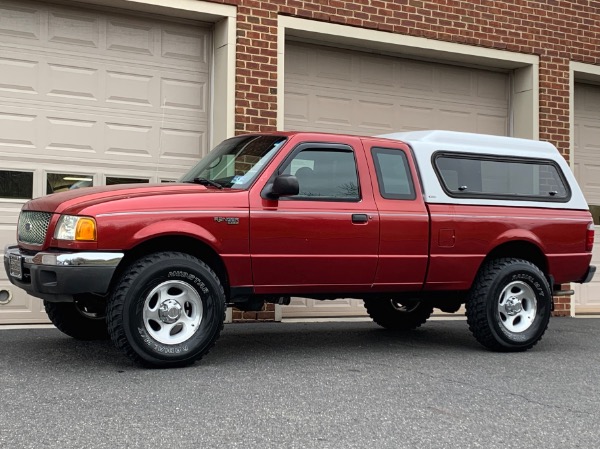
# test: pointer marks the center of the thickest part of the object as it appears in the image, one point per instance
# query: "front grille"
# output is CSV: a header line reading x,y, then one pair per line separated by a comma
x,y
33,227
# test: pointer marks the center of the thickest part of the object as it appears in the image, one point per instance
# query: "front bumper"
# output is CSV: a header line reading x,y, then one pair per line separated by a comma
x,y
57,276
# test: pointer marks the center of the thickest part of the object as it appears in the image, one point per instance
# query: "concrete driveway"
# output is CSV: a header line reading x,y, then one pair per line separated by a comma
x,y
307,385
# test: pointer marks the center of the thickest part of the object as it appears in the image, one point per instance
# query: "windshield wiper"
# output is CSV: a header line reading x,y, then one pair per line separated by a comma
x,y
207,182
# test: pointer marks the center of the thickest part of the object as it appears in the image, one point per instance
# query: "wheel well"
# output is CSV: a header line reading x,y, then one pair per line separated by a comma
x,y
183,244
521,250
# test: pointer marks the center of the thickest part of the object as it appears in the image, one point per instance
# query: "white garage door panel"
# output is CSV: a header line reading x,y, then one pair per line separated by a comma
x,y
103,136
18,307
101,34
302,307
587,296
356,93
587,171
337,110
97,89
351,92
125,86
8,230
21,308
96,92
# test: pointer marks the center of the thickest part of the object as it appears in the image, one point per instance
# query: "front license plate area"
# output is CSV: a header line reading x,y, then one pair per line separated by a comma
x,y
16,266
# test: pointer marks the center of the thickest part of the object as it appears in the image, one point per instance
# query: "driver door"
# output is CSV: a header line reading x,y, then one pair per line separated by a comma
x,y
326,237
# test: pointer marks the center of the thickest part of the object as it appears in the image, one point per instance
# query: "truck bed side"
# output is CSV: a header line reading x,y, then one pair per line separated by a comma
x,y
462,236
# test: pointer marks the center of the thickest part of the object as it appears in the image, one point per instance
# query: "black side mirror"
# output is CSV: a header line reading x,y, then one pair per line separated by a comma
x,y
285,185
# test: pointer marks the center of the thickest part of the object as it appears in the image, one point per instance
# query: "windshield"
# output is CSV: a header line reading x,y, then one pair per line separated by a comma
x,y
235,162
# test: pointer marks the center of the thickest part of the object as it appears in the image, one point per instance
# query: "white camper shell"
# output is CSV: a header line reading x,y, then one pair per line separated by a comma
x,y
508,160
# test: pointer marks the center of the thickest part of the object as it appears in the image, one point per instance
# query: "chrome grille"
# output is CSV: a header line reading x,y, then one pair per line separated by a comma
x,y
33,227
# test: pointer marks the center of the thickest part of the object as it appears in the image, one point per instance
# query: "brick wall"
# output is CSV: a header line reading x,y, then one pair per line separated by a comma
x,y
556,31
266,314
562,304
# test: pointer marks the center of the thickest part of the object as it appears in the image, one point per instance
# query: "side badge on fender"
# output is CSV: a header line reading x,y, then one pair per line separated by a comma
x,y
228,220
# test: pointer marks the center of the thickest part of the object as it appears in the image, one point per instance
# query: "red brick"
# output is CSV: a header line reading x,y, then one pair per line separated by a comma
x,y
264,316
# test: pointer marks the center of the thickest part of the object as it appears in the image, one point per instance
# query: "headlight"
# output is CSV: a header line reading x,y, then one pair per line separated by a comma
x,y
71,227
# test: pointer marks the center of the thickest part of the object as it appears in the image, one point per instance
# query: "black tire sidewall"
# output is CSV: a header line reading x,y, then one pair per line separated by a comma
x,y
69,320
524,273
210,292
384,313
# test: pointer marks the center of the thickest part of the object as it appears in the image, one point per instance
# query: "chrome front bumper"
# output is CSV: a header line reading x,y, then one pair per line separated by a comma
x,y
57,276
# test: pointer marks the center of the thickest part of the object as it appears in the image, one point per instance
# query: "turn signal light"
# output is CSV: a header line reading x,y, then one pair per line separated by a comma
x,y
589,239
85,230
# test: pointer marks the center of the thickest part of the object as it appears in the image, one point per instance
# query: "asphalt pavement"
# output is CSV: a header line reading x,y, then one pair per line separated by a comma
x,y
307,385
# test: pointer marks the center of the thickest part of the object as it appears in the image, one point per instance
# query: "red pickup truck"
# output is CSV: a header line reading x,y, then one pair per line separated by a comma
x,y
407,222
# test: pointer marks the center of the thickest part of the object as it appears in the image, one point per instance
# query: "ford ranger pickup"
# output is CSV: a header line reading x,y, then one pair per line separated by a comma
x,y
407,222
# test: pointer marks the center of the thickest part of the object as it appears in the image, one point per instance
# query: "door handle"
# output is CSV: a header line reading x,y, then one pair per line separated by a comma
x,y
360,218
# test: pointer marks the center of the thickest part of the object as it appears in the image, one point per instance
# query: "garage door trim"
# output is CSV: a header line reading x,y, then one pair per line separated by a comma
x,y
525,91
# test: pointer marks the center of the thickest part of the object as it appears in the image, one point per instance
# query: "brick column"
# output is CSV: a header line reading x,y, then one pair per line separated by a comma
x,y
256,70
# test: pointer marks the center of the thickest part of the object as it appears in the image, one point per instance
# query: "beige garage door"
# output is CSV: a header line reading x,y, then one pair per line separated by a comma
x,y
335,90
587,171
93,97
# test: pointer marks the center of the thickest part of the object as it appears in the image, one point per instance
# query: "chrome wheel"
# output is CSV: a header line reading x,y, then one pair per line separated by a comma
x,y
90,311
509,305
406,307
398,314
517,307
167,309
172,312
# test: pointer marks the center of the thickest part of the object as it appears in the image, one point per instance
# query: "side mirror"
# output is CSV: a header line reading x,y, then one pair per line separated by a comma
x,y
285,185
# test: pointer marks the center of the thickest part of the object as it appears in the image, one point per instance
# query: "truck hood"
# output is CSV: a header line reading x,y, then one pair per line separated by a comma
x,y
90,200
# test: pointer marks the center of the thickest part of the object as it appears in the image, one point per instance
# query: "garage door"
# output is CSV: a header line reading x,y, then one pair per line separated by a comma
x,y
93,97
587,171
345,91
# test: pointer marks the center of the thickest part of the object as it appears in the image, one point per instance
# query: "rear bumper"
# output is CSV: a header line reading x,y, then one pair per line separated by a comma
x,y
588,275
57,276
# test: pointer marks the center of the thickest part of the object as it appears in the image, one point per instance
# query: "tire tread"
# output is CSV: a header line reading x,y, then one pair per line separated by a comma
x,y
476,306
114,313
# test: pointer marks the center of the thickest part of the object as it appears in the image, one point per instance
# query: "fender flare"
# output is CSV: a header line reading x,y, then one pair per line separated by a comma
x,y
175,228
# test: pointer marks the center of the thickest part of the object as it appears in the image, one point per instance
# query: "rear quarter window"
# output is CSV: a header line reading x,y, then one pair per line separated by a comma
x,y
393,174
469,175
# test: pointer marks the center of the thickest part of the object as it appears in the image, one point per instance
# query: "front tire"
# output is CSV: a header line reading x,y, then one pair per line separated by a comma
x,y
398,315
76,319
509,305
167,309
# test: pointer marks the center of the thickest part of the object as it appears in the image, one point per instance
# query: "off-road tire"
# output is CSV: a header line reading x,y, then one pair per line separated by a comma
x,y
397,315
494,322
72,321
156,276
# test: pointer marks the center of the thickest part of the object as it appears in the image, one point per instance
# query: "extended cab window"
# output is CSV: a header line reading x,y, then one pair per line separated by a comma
x,y
393,174
325,174
480,176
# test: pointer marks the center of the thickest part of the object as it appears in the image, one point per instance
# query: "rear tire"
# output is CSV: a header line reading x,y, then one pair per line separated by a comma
x,y
167,309
509,305
76,320
397,315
